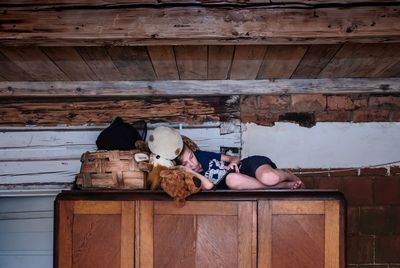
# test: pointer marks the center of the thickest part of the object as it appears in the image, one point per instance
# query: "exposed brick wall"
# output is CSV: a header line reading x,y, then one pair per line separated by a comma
x,y
373,213
307,109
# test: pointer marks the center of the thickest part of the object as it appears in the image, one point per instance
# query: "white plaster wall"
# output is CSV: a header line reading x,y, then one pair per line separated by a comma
x,y
326,145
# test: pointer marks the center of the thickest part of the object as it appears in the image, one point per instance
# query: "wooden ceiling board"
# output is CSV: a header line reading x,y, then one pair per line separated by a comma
x,y
100,63
12,72
70,62
219,62
132,62
281,61
362,60
191,62
164,63
194,25
247,61
315,59
34,62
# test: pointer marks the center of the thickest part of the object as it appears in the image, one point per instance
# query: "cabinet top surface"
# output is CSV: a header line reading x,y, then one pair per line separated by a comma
x,y
205,195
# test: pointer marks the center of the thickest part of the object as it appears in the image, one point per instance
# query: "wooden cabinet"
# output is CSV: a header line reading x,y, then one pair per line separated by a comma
x,y
227,229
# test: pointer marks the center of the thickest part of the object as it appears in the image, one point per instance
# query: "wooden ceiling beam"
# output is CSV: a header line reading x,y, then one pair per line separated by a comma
x,y
193,24
173,88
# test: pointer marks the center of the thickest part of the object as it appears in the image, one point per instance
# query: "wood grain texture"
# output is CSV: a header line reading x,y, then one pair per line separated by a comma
x,y
200,25
11,71
97,207
219,62
70,63
298,207
332,234
145,234
64,234
127,234
34,62
198,88
245,235
247,61
132,62
191,62
281,61
197,208
175,240
96,241
164,63
315,60
100,63
264,238
297,241
362,60
217,241
75,112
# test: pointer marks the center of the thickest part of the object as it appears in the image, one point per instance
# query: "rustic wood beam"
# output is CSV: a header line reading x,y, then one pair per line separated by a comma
x,y
198,24
173,88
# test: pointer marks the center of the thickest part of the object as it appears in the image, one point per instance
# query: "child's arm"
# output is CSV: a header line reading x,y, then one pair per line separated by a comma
x,y
205,182
232,160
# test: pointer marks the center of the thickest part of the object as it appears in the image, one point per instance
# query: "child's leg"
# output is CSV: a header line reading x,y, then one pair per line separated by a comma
x,y
238,181
271,177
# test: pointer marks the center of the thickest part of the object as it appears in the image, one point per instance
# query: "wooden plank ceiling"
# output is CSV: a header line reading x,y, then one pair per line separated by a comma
x,y
248,62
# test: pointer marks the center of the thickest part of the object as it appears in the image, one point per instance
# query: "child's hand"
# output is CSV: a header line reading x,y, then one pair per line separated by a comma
x,y
232,166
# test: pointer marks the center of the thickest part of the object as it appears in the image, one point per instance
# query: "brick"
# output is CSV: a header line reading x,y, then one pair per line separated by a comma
x,y
373,220
369,115
387,190
246,117
358,190
387,249
267,118
339,103
334,116
344,173
395,116
360,249
274,103
313,172
388,102
360,101
373,171
374,266
393,218
394,170
248,103
308,102
328,183
353,220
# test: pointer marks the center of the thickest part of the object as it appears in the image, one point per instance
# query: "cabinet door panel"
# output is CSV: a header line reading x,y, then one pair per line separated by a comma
x,y
299,240
95,234
201,234
96,241
295,233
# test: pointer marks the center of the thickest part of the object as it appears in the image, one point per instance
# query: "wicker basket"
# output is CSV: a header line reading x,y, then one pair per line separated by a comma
x,y
110,169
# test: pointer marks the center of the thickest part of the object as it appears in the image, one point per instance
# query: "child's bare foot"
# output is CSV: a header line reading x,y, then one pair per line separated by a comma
x,y
298,184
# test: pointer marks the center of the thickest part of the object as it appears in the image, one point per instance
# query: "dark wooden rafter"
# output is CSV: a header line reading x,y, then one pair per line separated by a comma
x,y
80,111
171,23
173,88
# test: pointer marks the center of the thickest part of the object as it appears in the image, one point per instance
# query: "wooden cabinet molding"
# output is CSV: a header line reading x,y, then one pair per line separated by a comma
x,y
214,229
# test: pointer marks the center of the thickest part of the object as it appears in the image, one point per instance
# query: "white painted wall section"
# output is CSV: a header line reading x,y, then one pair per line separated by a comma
x,y
326,145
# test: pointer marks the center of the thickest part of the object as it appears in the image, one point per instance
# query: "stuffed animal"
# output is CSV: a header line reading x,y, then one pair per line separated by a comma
x,y
164,144
179,184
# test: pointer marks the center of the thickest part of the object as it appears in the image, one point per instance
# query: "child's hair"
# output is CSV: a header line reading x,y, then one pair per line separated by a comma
x,y
179,159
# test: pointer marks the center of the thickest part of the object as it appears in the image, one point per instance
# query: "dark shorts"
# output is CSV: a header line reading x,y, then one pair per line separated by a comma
x,y
248,166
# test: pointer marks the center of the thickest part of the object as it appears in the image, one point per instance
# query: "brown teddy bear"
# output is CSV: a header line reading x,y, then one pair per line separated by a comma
x,y
179,184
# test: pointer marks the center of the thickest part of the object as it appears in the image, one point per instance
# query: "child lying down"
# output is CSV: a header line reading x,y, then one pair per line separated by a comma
x,y
254,172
